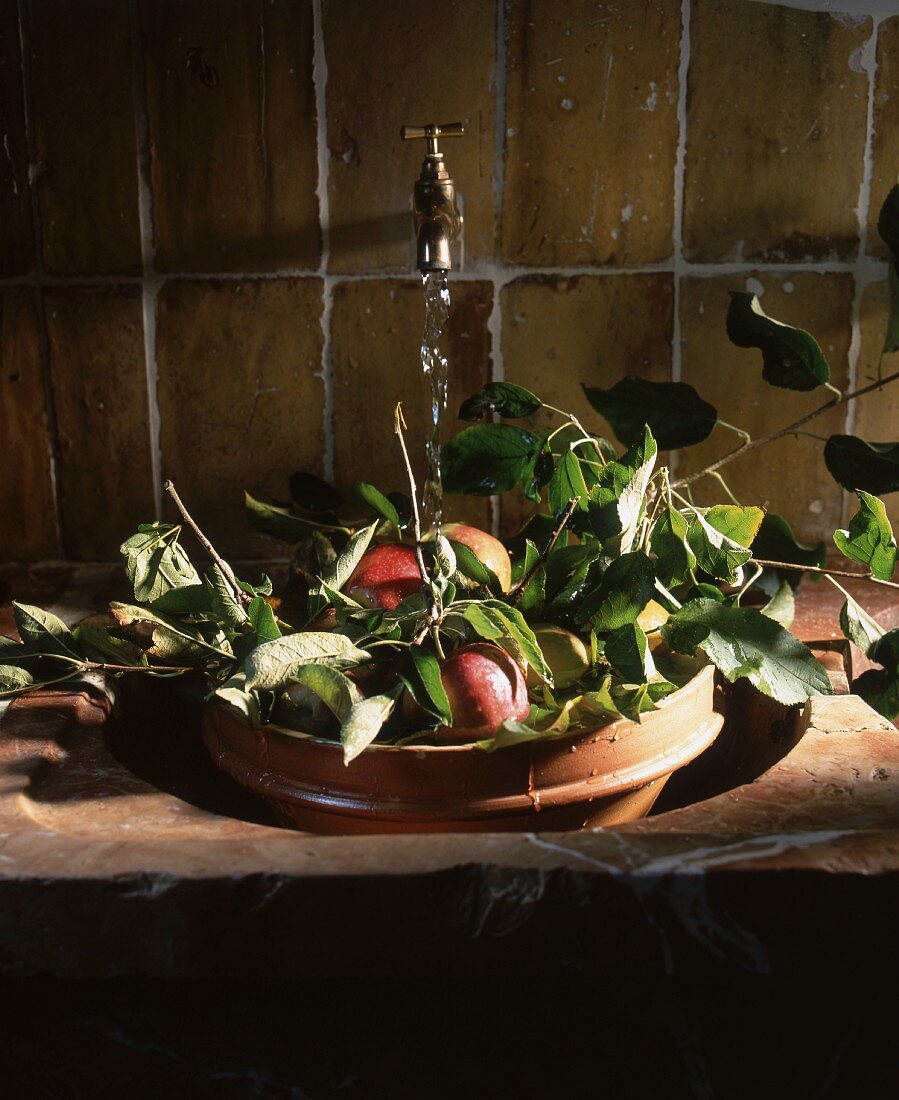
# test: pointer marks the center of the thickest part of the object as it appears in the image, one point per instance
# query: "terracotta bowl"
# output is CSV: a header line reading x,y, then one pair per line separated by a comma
x,y
606,776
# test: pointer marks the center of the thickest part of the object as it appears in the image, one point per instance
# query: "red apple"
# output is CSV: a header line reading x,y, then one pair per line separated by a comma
x,y
485,548
385,576
484,687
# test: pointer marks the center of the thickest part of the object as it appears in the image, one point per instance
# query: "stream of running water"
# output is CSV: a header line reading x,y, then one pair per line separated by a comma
x,y
433,363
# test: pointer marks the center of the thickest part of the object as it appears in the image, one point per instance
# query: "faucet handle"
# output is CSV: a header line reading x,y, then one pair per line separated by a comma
x,y
432,132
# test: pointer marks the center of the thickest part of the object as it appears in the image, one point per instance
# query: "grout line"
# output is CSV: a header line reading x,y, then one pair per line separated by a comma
x,y
678,264
150,282
495,321
37,275
320,81
476,272
865,271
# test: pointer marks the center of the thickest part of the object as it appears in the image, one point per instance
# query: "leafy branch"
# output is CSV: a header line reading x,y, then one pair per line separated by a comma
x,y
790,429
227,572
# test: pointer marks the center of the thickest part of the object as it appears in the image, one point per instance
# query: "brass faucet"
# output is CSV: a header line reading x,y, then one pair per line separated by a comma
x,y
437,218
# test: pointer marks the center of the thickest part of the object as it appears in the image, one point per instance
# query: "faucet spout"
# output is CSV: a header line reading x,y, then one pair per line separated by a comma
x,y
438,221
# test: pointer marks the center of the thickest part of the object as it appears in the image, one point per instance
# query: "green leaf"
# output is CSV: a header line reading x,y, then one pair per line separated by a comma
x,y
792,357
627,651
716,554
172,641
856,464
496,621
736,523
880,690
98,644
43,631
489,458
14,678
234,691
364,723
426,685
279,523
776,542
885,651
16,653
869,539
313,494
336,691
625,589
262,620
155,562
505,398
888,221
782,605
471,566
192,599
444,559
616,502
273,664
742,642
224,605
859,627
674,412
379,504
891,336
668,541
567,482
342,569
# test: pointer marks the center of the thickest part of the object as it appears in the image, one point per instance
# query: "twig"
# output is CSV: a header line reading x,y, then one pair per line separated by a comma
x,y
517,591
788,430
226,570
399,426
824,572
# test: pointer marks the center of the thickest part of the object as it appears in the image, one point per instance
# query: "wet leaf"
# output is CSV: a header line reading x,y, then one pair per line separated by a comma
x,y
782,606
625,589
471,566
341,571
566,482
616,502
744,643
627,651
425,684
497,621
716,554
869,538
668,541
505,398
856,464
791,357
674,412
489,458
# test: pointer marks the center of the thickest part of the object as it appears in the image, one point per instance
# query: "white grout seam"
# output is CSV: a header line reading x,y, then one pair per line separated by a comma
x,y
151,281
320,82
495,321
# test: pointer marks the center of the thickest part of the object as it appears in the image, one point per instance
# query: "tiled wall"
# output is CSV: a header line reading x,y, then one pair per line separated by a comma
x,y
206,251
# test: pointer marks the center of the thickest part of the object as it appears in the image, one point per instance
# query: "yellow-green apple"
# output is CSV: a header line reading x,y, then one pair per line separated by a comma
x,y
563,651
484,686
385,576
486,548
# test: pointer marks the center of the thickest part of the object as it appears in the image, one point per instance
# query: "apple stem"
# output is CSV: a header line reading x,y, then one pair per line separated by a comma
x,y
399,426
226,570
517,591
